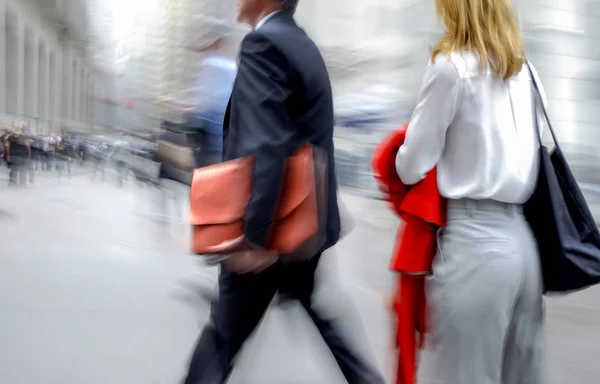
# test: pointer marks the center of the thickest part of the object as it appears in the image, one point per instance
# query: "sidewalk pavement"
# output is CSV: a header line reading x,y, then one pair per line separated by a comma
x,y
96,288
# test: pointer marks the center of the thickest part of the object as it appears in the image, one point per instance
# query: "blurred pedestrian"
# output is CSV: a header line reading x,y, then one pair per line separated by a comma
x,y
121,152
64,154
19,149
475,122
49,148
100,156
28,138
3,147
37,152
212,90
281,99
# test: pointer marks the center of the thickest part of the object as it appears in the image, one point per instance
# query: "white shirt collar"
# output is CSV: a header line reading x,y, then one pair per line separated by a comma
x,y
264,19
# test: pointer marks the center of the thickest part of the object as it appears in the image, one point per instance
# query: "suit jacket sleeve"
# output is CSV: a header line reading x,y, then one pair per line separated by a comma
x,y
265,129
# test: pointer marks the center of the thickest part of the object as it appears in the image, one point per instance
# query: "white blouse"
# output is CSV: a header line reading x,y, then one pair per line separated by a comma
x,y
476,128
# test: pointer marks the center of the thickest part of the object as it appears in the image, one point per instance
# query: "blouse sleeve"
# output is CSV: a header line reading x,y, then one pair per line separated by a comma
x,y
436,106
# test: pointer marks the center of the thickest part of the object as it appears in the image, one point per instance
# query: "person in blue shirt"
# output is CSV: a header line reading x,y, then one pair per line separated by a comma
x,y
213,86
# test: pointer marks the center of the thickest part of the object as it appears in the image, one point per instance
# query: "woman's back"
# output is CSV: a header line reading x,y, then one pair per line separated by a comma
x,y
491,144
477,128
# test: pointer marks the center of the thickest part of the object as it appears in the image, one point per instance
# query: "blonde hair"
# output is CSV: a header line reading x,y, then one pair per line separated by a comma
x,y
489,27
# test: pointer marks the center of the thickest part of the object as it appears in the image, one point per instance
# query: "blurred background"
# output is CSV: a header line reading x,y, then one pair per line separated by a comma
x,y
96,281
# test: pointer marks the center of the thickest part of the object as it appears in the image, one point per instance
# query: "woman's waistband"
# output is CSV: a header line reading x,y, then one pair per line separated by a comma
x,y
471,207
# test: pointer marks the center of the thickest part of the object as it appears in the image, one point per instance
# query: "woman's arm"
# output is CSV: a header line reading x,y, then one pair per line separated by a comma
x,y
437,101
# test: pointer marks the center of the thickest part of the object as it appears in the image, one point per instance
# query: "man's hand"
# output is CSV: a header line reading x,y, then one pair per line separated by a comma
x,y
245,257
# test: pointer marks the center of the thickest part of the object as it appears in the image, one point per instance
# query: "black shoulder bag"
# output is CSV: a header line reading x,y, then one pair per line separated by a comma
x,y
566,232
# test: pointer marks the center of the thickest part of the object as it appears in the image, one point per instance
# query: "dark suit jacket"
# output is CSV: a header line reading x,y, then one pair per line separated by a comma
x,y
281,99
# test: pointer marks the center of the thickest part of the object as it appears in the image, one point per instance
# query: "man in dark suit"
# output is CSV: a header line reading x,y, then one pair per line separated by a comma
x,y
281,99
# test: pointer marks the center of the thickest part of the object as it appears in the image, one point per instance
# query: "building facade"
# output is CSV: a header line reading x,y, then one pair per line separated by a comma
x,y
388,41
46,81
143,51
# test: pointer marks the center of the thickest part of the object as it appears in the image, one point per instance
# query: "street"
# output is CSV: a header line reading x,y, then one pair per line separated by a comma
x,y
97,287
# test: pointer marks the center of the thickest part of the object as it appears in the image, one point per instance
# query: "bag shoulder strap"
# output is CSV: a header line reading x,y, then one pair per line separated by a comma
x,y
539,102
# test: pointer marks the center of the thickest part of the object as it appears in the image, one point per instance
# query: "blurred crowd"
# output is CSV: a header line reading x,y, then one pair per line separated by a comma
x,y
25,153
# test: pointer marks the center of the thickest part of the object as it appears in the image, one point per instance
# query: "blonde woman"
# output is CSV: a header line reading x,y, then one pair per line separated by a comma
x,y
474,121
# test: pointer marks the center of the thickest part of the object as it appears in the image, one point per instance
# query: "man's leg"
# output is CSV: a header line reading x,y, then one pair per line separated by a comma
x,y
242,302
17,178
94,169
103,170
298,282
23,174
31,170
12,174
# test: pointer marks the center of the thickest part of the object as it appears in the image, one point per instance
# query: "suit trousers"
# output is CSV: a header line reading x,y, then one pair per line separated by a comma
x,y
242,302
486,297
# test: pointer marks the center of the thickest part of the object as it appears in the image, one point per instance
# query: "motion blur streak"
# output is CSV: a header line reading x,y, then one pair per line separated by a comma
x,y
96,282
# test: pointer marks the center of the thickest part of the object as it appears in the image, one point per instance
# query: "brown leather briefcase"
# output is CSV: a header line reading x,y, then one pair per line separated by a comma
x,y
220,195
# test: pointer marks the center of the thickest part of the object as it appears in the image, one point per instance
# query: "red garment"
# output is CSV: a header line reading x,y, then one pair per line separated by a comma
x,y
423,211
